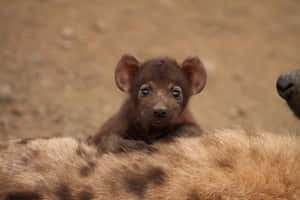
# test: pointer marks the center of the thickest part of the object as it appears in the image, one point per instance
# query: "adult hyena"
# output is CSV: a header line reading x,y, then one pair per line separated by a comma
x,y
226,164
288,87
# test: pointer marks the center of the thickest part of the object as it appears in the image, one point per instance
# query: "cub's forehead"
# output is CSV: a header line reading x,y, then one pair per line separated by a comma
x,y
163,70
159,62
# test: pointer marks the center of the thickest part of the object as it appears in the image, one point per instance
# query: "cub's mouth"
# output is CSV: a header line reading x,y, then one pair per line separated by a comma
x,y
160,122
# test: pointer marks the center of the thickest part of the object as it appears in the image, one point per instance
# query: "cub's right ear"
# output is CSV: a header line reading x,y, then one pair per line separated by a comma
x,y
125,72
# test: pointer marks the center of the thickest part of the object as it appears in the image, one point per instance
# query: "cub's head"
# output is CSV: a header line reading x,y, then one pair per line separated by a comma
x,y
288,87
160,88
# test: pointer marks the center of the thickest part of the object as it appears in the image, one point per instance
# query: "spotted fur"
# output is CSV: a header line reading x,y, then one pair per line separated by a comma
x,y
230,165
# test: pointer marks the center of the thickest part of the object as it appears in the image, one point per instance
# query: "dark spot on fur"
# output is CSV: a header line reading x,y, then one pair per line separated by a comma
x,y
156,175
3,146
135,183
218,197
25,141
256,156
84,171
136,166
23,196
26,159
35,153
92,164
85,195
224,163
193,196
63,192
87,170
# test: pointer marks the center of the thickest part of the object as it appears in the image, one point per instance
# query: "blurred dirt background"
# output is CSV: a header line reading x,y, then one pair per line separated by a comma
x,y
57,59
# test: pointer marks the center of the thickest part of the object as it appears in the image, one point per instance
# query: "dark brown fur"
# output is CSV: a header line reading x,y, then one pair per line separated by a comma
x,y
137,183
23,196
88,169
193,196
3,146
63,192
85,195
157,115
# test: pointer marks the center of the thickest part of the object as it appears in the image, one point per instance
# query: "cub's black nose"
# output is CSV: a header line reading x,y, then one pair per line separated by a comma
x,y
285,87
160,113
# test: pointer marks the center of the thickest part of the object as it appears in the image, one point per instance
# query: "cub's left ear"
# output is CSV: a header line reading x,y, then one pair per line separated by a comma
x,y
195,72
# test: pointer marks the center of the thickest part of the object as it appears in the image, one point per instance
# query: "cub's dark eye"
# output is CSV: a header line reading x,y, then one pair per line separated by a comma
x,y
176,93
145,92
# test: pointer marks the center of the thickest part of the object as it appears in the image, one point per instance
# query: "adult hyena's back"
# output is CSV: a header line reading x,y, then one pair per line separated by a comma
x,y
35,167
222,165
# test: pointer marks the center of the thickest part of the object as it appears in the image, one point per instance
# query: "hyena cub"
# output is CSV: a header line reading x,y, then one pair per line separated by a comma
x,y
159,90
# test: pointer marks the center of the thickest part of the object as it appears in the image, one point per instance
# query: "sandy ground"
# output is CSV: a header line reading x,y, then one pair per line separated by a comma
x,y
57,59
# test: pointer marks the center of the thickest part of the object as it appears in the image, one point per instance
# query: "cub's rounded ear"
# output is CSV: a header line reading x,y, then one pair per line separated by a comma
x,y
125,72
196,73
